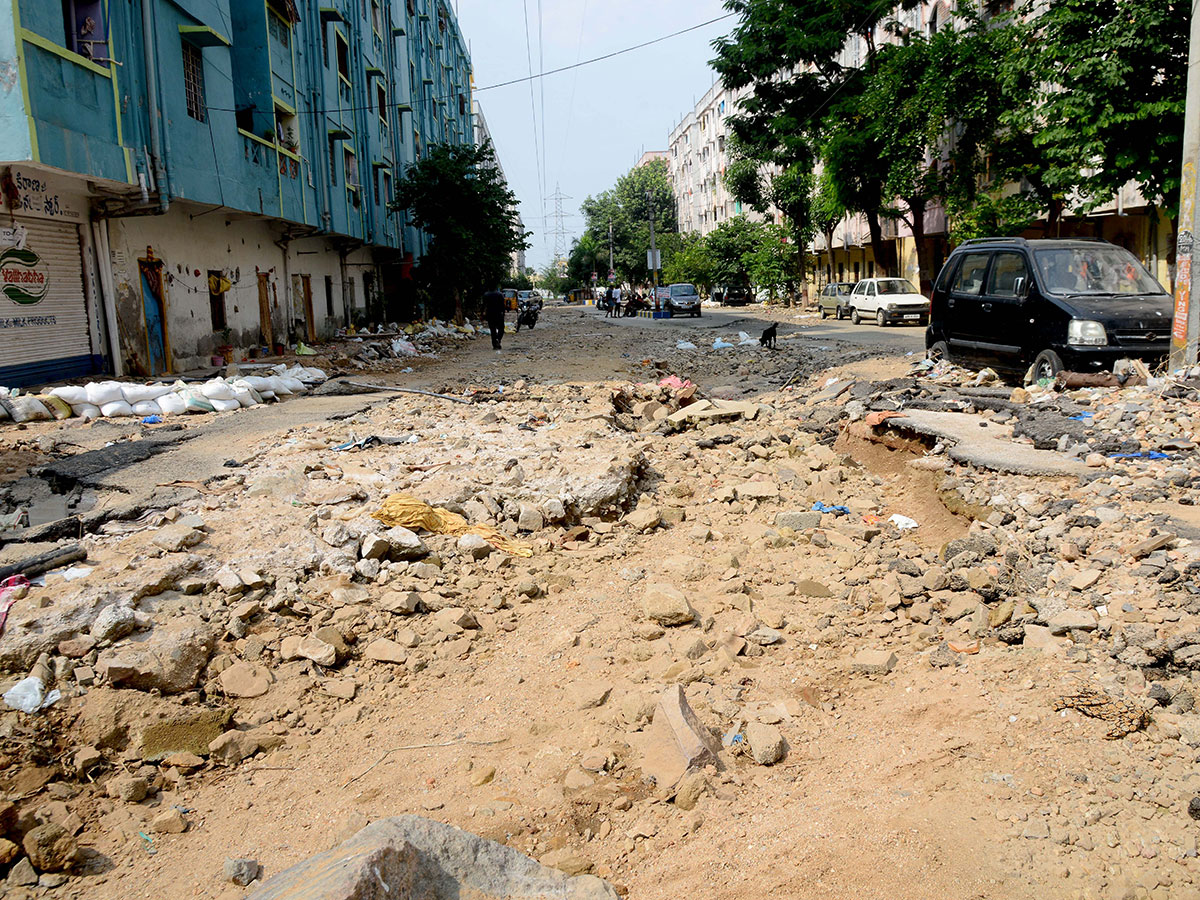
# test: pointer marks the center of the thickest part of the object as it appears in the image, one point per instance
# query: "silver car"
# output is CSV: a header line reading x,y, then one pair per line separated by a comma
x,y
683,298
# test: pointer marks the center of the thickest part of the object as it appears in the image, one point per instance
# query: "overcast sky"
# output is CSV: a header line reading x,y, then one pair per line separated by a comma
x,y
598,118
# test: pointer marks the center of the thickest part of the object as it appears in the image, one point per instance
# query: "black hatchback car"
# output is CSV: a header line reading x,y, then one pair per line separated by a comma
x,y
1076,304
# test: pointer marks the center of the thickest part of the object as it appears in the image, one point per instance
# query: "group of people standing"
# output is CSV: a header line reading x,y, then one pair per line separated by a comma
x,y
612,303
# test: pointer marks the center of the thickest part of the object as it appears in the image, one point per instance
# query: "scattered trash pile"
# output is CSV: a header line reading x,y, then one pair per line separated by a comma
x,y
409,341
115,399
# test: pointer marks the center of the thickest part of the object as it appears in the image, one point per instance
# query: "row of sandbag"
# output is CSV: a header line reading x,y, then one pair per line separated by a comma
x,y
110,399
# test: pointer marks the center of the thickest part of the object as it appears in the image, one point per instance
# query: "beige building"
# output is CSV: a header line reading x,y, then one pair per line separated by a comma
x,y
698,157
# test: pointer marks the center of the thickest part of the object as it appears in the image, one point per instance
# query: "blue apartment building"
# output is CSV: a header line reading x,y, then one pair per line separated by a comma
x,y
182,176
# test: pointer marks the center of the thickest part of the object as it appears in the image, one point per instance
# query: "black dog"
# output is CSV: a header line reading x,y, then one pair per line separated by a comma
x,y
768,336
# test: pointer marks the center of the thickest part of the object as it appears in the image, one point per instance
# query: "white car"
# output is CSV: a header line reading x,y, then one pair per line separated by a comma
x,y
887,300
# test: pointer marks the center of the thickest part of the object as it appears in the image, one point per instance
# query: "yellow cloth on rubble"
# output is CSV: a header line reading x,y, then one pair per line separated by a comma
x,y
409,512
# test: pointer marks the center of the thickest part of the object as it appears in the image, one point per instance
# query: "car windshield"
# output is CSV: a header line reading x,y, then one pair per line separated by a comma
x,y
1102,269
683,290
895,286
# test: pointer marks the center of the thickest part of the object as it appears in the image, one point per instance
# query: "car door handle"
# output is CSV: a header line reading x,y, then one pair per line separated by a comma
x,y
987,307
950,302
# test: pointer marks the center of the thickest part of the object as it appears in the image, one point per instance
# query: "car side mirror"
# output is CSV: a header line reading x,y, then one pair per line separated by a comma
x,y
1021,287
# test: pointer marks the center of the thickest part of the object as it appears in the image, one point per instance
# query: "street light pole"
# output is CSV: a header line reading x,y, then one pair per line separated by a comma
x,y
1185,331
610,249
653,248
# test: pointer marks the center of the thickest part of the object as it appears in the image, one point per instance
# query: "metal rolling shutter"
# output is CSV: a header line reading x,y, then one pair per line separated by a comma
x,y
32,351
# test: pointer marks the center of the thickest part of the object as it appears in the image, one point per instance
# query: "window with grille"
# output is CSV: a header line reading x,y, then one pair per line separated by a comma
x,y
193,81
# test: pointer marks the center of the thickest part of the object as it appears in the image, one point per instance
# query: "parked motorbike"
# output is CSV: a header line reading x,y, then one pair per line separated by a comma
x,y
635,306
527,315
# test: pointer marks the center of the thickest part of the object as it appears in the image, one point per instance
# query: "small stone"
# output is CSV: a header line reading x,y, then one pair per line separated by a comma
x,y
129,788
644,518
667,606
113,623
84,675
241,871
229,581
342,688
8,851
22,873
375,546
177,536
530,519
183,760
690,790
483,775
1073,620
76,647
244,679
50,847
875,662
766,743
809,588
1085,579
590,694
388,651
86,759
474,546
798,520
169,822
577,780
1194,808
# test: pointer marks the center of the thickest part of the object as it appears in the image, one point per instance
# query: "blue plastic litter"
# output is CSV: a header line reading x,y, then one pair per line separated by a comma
x,y
1083,417
152,420
1153,454
839,510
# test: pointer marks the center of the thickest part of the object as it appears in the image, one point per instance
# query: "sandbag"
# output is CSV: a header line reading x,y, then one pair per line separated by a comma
x,y
72,394
244,397
171,405
147,408
243,385
220,405
86,410
58,407
25,409
102,392
116,408
216,389
257,382
195,402
136,393
295,385
275,383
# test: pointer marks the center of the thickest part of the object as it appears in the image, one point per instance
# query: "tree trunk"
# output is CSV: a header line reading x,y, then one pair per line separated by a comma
x,y
459,318
883,250
917,206
829,250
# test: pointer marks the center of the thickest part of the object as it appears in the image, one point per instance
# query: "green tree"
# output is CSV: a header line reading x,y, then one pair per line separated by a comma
x,y
637,195
456,195
1114,78
773,262
585,259
692,263
731,246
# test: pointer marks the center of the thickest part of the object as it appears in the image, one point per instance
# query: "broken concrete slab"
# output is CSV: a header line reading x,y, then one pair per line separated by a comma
x,y
676,740
417,857
973,441
168,659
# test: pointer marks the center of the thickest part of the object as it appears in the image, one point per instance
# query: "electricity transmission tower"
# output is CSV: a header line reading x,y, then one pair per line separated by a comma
x,y
560,229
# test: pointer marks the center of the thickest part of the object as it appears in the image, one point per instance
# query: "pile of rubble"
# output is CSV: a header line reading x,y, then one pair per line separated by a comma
x,y
691,560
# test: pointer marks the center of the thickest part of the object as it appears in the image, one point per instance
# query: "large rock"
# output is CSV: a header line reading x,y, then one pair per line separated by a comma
x,y
766,743
244,679
169,658
405,545
234,746
190,731
676,740
113,623
667,606
409,856
50,847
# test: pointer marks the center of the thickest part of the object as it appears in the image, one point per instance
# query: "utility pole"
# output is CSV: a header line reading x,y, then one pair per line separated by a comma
x,y
1186,329
653,247
610,249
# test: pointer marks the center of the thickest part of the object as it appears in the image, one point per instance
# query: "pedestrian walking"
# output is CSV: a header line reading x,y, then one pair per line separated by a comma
x,y
493,311
608,302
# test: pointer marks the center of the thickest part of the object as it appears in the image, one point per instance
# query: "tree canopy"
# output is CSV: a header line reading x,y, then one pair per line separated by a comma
x,y
458,197
628,206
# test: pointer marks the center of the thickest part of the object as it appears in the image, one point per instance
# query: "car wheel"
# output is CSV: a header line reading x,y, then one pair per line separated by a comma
x,y
939,351
1047,365
824,313
854,317
880,318
696,314
837,314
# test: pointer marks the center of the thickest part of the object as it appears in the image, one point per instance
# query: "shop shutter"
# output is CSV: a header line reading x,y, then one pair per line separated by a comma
x,y
50,339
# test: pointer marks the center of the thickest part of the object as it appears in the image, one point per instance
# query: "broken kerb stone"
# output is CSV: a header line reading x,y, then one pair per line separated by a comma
x,y
410,856
676,740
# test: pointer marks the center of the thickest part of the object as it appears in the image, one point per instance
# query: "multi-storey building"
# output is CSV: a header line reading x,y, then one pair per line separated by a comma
x,y
183,175
698,157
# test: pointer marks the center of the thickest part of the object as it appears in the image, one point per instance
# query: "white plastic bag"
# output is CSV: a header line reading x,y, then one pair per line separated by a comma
x,y
744,340
904,523
719,344
29,695
685,345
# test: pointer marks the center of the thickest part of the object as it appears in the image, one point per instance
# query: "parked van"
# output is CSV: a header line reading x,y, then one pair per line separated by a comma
x,y
1077,304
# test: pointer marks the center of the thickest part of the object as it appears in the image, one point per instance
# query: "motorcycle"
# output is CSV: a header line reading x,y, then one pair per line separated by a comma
x,y
528,314
635,306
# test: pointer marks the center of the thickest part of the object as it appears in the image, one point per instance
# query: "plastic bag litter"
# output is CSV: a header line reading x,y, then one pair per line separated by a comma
x,y
404,348
152,420
744,339
303,349
674,382
719,344
409,512
25,409
116,408
147,408
686,345
904,523
839,510
29,695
